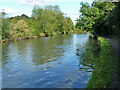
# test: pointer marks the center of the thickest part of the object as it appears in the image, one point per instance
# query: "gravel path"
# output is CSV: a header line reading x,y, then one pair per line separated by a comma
x,y
116,74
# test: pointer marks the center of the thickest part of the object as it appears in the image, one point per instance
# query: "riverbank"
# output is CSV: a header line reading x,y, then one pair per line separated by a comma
x,y
26,37
22,38
41,35
102,74
80,31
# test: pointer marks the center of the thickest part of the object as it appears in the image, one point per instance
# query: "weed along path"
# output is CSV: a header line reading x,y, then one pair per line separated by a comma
x,y
115,44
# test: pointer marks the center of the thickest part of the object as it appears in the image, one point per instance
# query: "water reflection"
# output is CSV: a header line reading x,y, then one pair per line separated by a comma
x,y
89,57
0,65
48,62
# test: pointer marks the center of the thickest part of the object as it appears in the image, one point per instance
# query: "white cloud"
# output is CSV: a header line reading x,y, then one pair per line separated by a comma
x,y
68,0
46,2
37,2
11,12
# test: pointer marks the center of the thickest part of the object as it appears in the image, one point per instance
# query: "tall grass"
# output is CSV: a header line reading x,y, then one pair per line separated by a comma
x,y
102,74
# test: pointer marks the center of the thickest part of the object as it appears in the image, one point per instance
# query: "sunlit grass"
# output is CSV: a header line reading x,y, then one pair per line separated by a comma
x,y
102,74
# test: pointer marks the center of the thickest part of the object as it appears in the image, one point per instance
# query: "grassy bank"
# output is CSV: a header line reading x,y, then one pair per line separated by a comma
x,y
102,74
41,35
24,37
80,31
16,38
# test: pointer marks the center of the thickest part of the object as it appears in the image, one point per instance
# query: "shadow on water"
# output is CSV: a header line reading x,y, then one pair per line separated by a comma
x,y
89,57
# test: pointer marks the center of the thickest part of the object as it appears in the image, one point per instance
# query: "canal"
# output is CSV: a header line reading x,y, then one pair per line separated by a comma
x,y
60,61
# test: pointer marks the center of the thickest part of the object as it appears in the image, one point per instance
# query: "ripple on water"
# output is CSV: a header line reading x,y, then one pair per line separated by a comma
x,y
47,63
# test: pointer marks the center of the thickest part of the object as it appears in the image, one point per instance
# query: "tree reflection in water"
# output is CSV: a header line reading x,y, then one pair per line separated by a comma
x,y
89,57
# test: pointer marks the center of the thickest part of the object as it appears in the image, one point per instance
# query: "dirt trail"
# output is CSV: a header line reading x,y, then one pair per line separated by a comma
x,y
116,78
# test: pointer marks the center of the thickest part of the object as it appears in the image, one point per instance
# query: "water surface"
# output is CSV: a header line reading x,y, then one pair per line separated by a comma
x,y
48,62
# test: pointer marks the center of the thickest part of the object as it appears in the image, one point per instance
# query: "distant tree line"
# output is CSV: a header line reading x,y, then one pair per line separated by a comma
x,y
102,18
43,22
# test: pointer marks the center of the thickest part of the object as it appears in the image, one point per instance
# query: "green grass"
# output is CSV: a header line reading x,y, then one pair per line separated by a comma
x,y
80,31
102,74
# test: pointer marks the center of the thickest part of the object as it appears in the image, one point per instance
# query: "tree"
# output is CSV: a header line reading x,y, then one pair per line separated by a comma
x,y
114,20
5,26
44,21
95,17
50,20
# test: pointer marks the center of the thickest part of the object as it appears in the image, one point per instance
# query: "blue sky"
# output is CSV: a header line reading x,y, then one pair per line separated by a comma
x,y
18,7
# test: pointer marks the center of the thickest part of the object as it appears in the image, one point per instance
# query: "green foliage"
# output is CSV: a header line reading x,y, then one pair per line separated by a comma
x,y
44,21
5,26
101,17
49,20
102,73
114,20
19,29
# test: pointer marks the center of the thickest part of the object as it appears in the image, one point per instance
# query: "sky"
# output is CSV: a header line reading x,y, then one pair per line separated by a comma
x,y
19,7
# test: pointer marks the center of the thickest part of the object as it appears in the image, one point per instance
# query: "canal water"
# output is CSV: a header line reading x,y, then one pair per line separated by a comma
x,y
61,61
